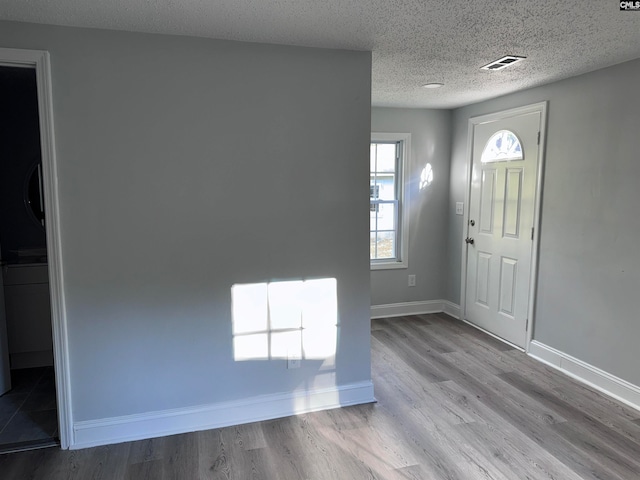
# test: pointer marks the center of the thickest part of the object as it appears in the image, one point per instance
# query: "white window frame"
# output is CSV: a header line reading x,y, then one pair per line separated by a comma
x,y
402,260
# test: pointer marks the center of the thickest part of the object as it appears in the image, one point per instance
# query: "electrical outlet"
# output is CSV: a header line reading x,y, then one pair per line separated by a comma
x,y
293,361
459,208
412,280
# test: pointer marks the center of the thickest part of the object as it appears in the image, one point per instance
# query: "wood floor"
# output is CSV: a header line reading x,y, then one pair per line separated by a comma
x,y
453,403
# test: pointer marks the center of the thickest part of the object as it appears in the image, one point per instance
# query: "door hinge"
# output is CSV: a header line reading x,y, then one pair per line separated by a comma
x,y
532,229
526,327
538,138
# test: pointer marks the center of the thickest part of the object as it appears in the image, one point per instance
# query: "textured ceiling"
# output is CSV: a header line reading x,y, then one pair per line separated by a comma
x,y
413,41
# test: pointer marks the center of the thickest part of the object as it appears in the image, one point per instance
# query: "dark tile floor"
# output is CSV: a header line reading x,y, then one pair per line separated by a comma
x,y
28,415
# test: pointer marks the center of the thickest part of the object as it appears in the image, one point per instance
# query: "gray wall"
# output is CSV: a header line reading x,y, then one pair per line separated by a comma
x,y
187,166
589,268
430,143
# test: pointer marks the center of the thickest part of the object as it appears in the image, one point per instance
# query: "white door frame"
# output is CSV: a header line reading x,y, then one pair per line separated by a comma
x,y
40,61
473,121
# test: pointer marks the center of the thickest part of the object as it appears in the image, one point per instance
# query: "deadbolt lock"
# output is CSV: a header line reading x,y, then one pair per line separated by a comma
x,y
472,222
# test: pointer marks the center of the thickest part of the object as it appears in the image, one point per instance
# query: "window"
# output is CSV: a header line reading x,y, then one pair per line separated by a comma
x,y
503,146
387,203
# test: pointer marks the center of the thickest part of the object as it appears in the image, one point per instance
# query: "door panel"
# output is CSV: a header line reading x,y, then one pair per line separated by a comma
x,y
483,279
501,215
487,200
508,279
512,205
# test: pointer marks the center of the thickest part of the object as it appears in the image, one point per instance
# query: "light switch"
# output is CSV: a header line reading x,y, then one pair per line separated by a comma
x,y
459,208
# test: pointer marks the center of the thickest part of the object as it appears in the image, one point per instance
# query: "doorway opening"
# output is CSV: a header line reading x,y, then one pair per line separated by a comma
x,y
28,403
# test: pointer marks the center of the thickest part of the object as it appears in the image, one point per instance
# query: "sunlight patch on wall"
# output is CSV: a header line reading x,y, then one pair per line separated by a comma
x,y
279,320
426,176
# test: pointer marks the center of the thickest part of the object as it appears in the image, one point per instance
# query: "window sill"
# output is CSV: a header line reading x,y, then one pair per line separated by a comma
x,y
389,266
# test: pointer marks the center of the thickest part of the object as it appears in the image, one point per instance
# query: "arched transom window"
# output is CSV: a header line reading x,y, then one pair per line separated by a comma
x,y
503,146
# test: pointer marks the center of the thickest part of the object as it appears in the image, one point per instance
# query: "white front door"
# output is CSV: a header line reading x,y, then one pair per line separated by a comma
x,y
5,372
500,224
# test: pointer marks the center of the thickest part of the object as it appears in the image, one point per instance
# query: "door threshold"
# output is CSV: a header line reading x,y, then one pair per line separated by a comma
x,y
493,335
28,445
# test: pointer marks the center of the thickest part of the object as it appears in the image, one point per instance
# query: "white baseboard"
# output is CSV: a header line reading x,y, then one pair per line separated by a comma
x,y
415,308
451,308
606,383
106,431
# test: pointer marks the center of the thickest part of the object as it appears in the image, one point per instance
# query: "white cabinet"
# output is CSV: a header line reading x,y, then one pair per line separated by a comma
x,y
28,310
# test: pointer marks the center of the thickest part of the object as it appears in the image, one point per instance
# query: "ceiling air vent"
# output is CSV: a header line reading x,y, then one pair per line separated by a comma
x,y
503,62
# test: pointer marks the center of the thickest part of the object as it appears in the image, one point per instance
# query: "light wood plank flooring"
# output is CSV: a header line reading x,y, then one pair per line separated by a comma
x,y
453,403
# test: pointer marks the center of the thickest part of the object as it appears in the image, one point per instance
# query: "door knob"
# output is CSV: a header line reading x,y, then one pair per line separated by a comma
x,y
469,240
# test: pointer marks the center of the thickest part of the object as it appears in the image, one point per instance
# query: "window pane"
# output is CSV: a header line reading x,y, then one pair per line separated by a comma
x,y
386,216
374,189
386,157
386,245
502,146
372,167
374,208
372,246
386,186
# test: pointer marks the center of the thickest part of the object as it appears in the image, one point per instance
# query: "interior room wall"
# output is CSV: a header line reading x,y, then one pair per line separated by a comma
x,y
589,268
187,166
430,144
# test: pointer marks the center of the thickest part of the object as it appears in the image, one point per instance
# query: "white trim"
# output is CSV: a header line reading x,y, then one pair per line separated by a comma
x,y
106,431
405,138
535,253
451,309
391,265
415,308
602,381
40,61
491,117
